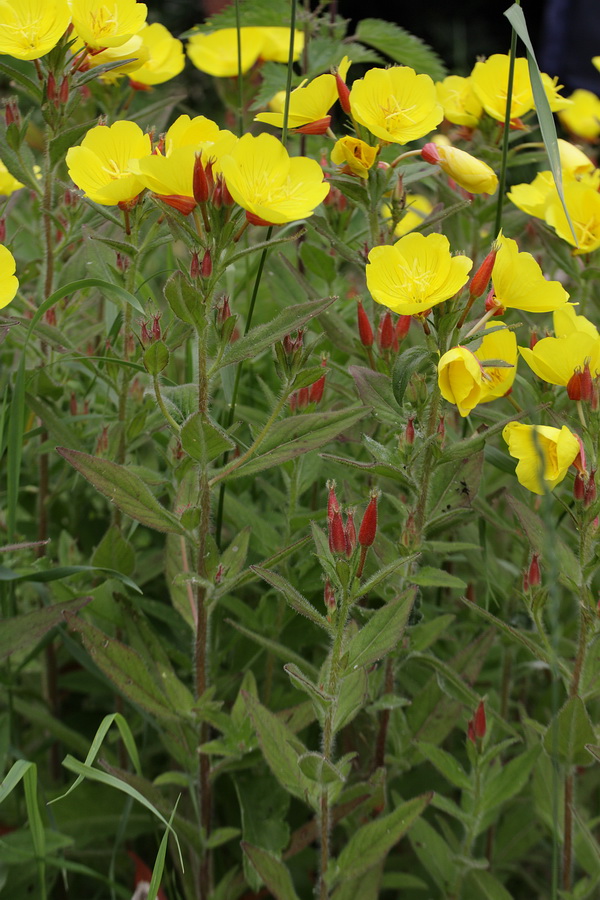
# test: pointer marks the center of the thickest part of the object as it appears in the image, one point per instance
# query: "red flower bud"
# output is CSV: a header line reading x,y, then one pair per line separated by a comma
x,y
365,332
343,93
482,276
574,385
579,487
206,267
350,533
430,154
256,220
2,230
320,126
368,526
534,575
479,721
402,327
533,339
195,265
409,431
226,196
385,333
332,501
587,385
182,204
303,398
156,335
63,91
315,393
51,92
223,311
199,181
11,113
337,537
471,731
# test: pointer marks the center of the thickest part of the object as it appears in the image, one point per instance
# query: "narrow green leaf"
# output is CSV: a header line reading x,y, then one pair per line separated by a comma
x,y
542,107
124,489
278,650
273,872
381,634
159,863
371,843
43,576
320,698
319,769
407,363
568,734
17,771
61,432
24,631
222,836
430,577
293,597
264,336
374,389
434,854
34,816
510,779
383,574
445,763
488,886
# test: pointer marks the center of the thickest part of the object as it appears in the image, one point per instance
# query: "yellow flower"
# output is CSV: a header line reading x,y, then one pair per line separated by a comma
x,y
268,184
469,172
396,104
544,454
8,183
464,379
520,284
416,273
552,88
171,175
31,29
276,44
535,197
309,104
417,208
356,156
583,116
461,104
107,23
573,160
583,203
490,83
216,53
165,58
132,53
101,166
566,321
9,284
555,359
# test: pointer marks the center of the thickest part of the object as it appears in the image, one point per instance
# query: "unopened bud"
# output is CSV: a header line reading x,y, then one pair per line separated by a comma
x,y
145,336
11,113
337,537
195,265
482,276
315,394
479,722
207,266
534,575
122,262
51,92
156,334
368,526
210,178
329,596
579,487
409,431
343,93
430,154
365,332
385,333
226,196
574,385
303,398
217,194
402,327
350,533
590,489
63,91
533,339
199,181
223,311
332,501
2,230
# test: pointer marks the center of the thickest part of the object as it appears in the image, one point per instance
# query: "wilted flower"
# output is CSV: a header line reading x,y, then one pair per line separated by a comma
x,y
459,101
269,184
101,166
544,454
396,104
9,284
469,172
356,156
415,273
31,29
107,23
520,284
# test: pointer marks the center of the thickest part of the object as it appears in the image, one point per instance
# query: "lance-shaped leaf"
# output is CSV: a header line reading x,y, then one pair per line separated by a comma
x,y
371,843
264,336
381,634
374,390
293,597
401,46
407,363
273,872
281,749
293,437
568,734
321,698
126,669
126,490
204,440
22,632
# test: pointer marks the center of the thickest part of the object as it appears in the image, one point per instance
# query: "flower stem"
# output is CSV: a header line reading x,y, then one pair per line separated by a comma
x,y
504,163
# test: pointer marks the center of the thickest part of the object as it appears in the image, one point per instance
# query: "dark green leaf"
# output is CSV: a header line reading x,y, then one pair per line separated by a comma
x,y
445,763
114,552
24,631
568,733
273,872
293,597
381,634
401,46
407,363
430,577
204,440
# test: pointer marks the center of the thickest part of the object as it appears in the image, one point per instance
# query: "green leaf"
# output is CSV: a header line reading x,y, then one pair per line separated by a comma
x,y
510,779
127,670
293,597
488,886
124,489
280,747
66,138
537,534
371,843
34,90
273,872
352,697
445,763
374,390
299,434
321,699
184,299
434,854
159,863
367,887
264,336
401,46
203,439
407,363
43,576
319,769
542,107
61,432
114,552
156,358
430,577
568,733
318,261
24,631
381,634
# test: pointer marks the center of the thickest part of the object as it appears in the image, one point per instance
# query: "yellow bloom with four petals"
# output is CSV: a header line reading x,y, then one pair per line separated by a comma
x,y
107,23
9,284
31,28
416,273
355,155
489,80
396,104
309,104
271,186
520,284
459,101
544,454
102,166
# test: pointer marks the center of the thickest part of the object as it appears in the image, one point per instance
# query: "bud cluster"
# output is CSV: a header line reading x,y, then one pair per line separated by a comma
x,y
389,334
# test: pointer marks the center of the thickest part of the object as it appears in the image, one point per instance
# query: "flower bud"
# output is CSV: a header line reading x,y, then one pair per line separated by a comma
x,y
368,526
533,339
337,537
332,501
409,431
482,276
195,265
350,533
63,91
228,200
319,126
199,181
223,310
123,262
587,385
11,113
365,332
156,334
315,394
534,575
2,230
402,327
51,91
303,398
479,721
385,332
430,154
579,487
574,385
343,93
206,267
329,596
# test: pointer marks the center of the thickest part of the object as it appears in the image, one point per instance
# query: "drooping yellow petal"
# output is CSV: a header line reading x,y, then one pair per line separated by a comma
x,y
544,454
355,155
460,379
